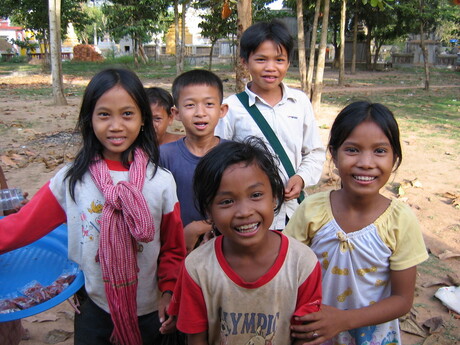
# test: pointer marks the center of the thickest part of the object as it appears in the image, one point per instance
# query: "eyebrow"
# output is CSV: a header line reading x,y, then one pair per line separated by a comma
x,y
255,185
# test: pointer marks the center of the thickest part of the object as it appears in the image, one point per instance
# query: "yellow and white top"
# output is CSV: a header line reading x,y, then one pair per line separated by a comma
x,y
356,265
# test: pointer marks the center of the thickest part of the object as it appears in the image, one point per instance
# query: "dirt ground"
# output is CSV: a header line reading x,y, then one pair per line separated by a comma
x,y
38,139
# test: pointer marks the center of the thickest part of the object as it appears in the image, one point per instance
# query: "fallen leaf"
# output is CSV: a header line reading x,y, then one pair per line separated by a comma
x,y
57,336
434,324
410,326
416,183
448,254
8,161
454,279
43,317
434,283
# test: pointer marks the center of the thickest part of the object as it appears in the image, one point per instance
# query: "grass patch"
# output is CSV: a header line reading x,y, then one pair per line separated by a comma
x,y
435,110
434,267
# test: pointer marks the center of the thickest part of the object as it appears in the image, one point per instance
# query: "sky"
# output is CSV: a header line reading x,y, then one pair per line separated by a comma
x,y
277,5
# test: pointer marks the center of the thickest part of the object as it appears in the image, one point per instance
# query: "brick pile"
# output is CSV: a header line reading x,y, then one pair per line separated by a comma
x,y
86,52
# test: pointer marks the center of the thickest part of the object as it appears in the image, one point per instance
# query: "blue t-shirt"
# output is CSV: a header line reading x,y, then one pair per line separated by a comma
x,y
181,162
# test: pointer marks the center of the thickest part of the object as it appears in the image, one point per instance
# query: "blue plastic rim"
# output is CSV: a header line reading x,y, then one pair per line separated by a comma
x,y
44,261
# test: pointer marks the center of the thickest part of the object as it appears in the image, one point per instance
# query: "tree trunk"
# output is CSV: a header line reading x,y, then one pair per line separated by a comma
x,y
182,42
424,51
55,46
177,37
368,47
144,57
342,44
301,46
355,40
311,60
244,11
210,55
318,86
135,52
376,55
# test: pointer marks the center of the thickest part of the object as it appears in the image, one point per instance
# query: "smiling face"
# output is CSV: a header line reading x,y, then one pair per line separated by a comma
x,y
116,122
365,160
242,208
268,66
199,109
161,120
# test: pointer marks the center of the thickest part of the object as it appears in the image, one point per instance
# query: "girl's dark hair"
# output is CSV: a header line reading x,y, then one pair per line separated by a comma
x,y
161,97
91,147
260,32
360,111
209,171
196,77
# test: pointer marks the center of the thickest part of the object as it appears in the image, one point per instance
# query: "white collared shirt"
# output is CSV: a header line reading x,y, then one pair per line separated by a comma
x,y
294,124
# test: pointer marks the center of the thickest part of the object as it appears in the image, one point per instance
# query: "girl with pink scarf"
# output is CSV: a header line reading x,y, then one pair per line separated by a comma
x,y
122,214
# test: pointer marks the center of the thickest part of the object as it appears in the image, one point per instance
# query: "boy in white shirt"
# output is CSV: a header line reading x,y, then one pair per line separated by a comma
x,y
266,49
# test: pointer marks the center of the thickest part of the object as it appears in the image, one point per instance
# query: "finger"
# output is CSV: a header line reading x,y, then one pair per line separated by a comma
x,y
161,314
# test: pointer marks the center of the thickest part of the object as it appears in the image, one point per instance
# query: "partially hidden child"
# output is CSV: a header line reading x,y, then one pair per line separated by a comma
x,y
161,103
122,215
266,49
368,245
245,286
198,96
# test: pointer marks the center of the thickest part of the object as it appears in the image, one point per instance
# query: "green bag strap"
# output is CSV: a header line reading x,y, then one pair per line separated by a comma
x,y
270,135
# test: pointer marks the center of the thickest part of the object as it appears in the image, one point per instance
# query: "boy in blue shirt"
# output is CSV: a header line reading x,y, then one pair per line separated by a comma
x,y
198,96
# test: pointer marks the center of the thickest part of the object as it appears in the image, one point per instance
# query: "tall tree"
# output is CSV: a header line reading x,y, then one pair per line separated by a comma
x,y
55,43
244,11
311,60
301,46
138,20
343,14
217,23
318,85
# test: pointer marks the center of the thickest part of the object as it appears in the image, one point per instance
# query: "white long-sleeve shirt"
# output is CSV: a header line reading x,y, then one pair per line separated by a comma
x,y
294,124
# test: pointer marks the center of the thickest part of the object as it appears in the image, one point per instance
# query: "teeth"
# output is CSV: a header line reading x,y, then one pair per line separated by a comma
x,y
364,178
247,228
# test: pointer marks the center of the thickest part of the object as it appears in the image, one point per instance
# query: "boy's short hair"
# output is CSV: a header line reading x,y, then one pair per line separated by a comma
x,y
258,33
196,77
161,97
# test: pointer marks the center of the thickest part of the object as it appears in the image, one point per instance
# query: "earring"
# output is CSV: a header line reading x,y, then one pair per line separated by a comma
x,y
142,128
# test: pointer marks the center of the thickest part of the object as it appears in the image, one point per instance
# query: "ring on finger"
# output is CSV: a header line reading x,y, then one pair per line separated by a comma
x,y
315,335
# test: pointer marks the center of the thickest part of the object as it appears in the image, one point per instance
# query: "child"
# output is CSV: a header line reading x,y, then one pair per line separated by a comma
x,y
368,245
161,103
122,214
198,96
11,332
243,287
266,49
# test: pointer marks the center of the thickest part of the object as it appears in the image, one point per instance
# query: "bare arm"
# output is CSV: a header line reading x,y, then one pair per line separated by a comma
x,y
197,339
193,231
330,321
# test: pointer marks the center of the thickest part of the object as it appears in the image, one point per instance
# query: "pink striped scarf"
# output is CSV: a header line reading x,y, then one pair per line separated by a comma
x,y
126,220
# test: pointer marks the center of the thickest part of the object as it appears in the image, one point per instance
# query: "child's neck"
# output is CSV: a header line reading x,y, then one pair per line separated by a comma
x,y
355,213
199,146
272,97
252,263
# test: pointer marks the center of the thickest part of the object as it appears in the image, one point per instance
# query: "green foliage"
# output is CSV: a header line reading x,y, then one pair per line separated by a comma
x,y
33,14
137,19
93,19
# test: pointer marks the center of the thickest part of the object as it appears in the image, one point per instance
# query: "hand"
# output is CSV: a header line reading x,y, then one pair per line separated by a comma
x,y
17,208
320,326
168,323
169,326
293,188
193,231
